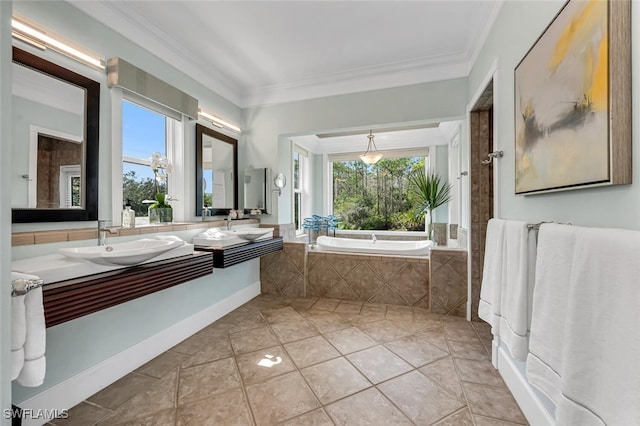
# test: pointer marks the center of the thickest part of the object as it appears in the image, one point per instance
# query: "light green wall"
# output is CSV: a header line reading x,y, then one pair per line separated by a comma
x,y
271,125
518,26
5,208
442,168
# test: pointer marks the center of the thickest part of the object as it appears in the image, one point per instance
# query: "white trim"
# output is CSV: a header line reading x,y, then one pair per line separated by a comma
x,y
116,158
327,167
81,386
524,394
497,146
491,73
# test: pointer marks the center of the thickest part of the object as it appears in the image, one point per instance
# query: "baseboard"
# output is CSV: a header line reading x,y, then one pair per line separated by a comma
x,y
529,402
72,391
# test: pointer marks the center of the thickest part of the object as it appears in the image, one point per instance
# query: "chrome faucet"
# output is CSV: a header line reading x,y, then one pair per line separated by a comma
x,y
229,222
373,238
103,229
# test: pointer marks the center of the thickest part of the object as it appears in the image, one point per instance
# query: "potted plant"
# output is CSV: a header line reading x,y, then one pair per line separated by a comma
x,y
160,211
431,192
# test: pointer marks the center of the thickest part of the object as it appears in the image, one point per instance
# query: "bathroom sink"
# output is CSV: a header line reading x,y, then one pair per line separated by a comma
x,y
129,253
250,234
214,237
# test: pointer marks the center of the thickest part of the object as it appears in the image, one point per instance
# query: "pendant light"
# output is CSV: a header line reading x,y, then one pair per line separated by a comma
x,y
372,156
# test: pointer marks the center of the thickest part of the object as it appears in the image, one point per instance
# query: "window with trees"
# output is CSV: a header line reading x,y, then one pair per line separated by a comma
x,y
376,197
144,132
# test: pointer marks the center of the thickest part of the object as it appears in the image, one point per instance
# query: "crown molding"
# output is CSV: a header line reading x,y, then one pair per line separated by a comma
x,y
149,37
362,80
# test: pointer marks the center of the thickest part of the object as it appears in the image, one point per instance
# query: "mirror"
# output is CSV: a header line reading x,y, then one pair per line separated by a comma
x,y
255,189
280,181
56,115
216,172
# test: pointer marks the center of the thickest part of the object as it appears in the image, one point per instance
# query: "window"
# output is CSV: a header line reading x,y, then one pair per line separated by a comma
x,y
301,207
143,132
376,196
70,186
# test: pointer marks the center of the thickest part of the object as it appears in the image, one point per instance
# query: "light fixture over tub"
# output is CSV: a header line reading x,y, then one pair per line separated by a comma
x,y
372,156
218,121
38,38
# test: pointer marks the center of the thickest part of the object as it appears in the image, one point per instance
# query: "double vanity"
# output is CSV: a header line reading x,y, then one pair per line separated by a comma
x,y
83,280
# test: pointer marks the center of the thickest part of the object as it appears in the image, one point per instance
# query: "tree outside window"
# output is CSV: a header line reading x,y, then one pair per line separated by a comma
x,y
376,197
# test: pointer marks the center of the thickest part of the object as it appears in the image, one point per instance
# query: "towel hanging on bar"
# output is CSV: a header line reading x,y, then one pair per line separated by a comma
x,y
22,286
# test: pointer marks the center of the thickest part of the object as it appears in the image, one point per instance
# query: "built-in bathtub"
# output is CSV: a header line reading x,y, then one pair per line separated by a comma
x,y
373,246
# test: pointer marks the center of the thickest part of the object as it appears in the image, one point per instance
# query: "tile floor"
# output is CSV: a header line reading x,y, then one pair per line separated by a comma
x,y
278,360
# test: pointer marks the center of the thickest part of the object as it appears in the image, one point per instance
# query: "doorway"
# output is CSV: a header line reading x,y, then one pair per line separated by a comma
x,y
481,177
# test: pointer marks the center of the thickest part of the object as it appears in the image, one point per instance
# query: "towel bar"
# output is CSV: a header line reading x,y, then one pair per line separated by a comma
x,y
536,226
20,287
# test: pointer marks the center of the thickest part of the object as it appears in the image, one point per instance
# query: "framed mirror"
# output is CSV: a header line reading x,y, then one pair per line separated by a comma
x,y
216,172
56,116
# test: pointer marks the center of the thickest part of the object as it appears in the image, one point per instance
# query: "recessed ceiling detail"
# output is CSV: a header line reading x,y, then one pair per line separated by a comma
x,y
262,52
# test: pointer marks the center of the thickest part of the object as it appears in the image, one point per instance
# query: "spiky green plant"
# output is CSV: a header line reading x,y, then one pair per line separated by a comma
x,y
431,191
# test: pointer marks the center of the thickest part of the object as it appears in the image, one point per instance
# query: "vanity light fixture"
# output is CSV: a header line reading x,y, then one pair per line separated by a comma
x,y
372,156
39,39
218,121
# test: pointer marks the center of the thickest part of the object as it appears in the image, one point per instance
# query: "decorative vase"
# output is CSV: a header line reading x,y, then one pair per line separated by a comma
x,y
160,212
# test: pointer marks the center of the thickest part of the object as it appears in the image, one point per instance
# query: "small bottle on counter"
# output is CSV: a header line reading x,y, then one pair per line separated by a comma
x,y
128,216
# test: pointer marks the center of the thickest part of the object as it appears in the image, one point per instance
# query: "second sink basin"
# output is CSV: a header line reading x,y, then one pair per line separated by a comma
x,y
250,234
129,253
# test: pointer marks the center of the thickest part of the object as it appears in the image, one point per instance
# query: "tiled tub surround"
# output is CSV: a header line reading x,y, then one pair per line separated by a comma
x,y
364,278
395,280
292,361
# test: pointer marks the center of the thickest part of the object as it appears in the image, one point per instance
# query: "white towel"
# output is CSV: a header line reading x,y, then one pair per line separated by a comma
x,y
556,245
492,274
18,327
30,324
18,335
17,362
600,374
514,297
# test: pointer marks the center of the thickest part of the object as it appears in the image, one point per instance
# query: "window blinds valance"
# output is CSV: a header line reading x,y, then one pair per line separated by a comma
x,y
122,74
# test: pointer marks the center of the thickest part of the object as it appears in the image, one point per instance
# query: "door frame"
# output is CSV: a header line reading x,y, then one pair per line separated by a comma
x,y
490,78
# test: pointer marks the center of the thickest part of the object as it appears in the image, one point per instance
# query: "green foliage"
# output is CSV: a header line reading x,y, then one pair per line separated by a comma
x,y
137,190
430,192
376,197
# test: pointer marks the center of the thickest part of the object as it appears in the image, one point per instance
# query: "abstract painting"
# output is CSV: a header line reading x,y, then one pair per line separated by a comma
x,y
562,109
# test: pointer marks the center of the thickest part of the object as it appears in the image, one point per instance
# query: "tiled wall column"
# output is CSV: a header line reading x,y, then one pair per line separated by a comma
x,y
448,281
282,272
481,179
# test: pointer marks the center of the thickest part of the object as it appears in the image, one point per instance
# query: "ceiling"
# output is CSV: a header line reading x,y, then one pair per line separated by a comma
x,y
263,52
384,138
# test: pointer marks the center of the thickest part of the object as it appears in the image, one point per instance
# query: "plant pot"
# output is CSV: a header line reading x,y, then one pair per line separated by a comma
x,y
160,214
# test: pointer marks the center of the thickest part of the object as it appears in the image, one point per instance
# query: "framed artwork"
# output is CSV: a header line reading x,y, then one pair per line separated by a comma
x,y
573,101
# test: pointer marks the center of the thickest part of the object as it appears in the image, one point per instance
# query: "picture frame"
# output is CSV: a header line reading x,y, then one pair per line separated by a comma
x,y
572,102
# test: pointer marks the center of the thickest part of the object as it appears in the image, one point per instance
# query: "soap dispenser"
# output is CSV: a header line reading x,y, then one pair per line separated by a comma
x,y
128,216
